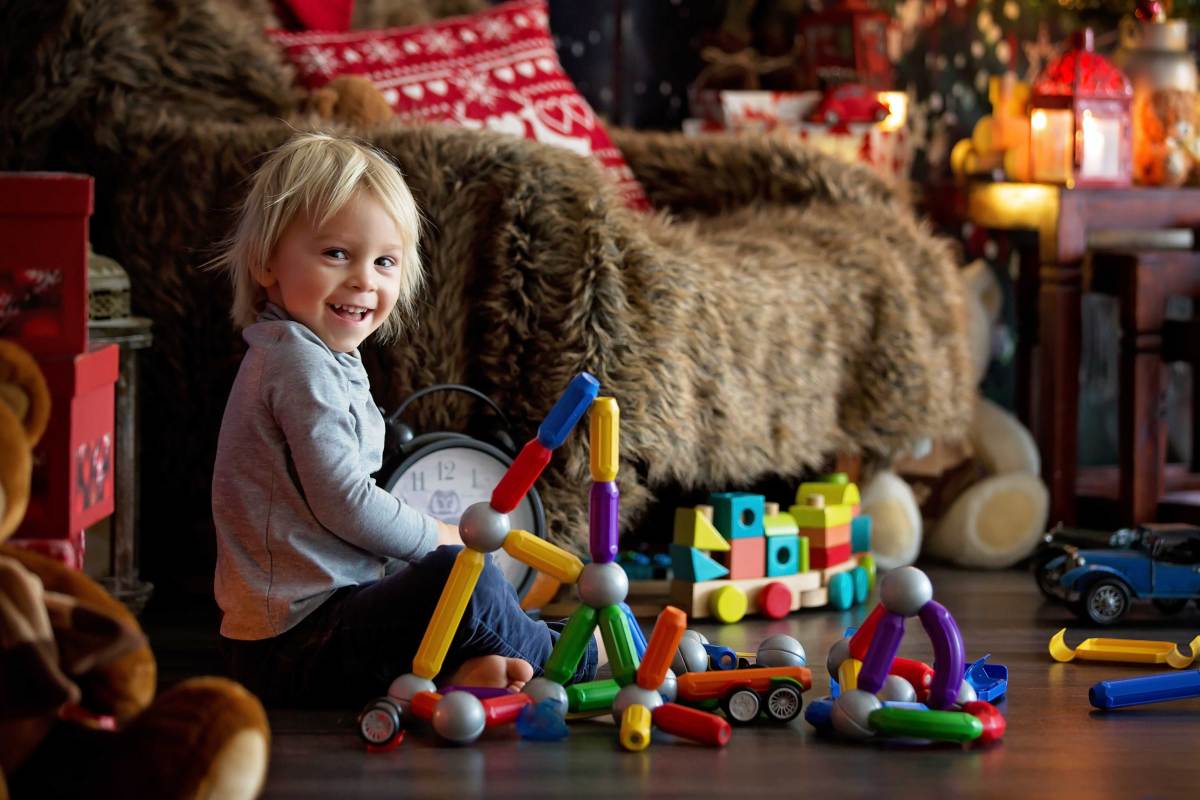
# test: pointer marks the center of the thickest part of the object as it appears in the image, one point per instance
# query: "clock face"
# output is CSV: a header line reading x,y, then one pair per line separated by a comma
x,y
446,482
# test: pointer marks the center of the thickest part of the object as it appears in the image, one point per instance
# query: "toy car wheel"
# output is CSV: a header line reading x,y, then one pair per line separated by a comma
x,y
784,703
741,706
1170,606
1105,601
379,722
1047,580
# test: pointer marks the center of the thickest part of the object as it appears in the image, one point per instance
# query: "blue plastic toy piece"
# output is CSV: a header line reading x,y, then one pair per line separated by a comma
x,y
1149,689
990,681
721,657
542,722
860,534
639,637
834,689
580,393
819,714
901,704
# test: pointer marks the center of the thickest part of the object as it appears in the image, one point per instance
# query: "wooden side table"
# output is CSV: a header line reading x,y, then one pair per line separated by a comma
x,y
131,334
1049,289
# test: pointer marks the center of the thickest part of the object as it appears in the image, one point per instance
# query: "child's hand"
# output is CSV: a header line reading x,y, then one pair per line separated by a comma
x,y
447,534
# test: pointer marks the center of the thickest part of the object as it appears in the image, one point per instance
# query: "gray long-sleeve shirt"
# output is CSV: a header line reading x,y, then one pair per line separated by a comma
x,y
296,511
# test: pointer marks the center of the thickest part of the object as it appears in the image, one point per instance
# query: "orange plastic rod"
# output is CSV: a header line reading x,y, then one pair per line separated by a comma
x,y
423,704
660,650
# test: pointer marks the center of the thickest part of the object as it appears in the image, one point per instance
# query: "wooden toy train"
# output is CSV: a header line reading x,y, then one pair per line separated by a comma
x,y
816,554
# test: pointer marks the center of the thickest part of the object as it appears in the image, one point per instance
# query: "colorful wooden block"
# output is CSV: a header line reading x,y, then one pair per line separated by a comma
x,y
835,494
860,534
804,564
814,598
738,515
692,565
747,558
833,536
822,557
783,555
780,524
694,529
811,516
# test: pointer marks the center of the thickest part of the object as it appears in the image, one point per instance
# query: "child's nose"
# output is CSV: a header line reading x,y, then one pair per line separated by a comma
x,y
362,275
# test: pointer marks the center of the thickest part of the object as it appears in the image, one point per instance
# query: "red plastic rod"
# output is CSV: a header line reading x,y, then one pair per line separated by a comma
x,y
993,721
860,642
506,709
918,673
423,704
660,650
692,723
530,462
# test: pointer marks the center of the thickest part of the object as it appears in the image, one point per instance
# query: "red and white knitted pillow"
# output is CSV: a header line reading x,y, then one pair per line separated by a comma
x,y
496,69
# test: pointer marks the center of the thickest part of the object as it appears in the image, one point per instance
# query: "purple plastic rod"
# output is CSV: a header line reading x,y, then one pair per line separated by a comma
x,y
482,692
948,656
604,507
881,653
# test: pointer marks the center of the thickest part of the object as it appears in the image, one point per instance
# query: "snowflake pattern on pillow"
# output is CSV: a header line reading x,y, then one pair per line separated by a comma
x,y
496,69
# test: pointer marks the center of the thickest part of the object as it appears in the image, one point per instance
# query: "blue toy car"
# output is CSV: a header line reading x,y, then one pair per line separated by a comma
x,y
1160,563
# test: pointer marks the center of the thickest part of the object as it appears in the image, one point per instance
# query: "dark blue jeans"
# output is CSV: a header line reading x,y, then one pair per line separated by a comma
x,y
363,637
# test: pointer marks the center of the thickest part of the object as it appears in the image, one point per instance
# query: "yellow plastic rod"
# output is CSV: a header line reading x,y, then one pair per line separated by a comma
x,y
543,556
451,605
606,439
848,674
635,728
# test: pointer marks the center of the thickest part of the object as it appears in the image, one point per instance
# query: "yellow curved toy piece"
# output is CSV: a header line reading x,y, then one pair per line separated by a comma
x,y
451,605
1177,659
605,439
635,728
543,556
1124,651
848,673
728,604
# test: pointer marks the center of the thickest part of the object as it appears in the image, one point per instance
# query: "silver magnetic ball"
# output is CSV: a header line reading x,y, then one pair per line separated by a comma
x,y
780,650
483,528
690,657
602,585
634,694
406,686
896,689
837,654
850,712
459,717
669,687
545,689
691,634
966,694
904,591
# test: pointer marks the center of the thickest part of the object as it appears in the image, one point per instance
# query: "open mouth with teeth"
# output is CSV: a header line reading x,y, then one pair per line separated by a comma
x,y
350,313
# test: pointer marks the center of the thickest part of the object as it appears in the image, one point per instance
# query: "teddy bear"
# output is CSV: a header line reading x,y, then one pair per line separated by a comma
x,y
352,100
976,501
79,714
1166,146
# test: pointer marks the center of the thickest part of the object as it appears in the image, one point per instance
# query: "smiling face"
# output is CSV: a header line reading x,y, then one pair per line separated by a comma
x,y
341,279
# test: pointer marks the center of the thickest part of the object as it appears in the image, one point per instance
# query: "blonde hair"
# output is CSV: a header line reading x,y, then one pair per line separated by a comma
x,y
316,174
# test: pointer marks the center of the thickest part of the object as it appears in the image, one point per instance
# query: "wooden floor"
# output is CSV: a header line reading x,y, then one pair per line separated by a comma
x,y
1056,745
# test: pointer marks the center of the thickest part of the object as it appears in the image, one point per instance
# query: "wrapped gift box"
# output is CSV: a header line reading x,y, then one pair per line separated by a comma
x,y
73,463
43,261
884,146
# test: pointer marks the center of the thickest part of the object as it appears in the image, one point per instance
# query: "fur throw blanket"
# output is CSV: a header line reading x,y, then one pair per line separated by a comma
x,y
780,306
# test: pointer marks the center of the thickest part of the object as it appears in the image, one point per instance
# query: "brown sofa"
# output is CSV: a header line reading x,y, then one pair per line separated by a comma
x,y
779,307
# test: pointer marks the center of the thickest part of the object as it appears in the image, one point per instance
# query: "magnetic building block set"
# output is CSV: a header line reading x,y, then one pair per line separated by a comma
x,y
740,554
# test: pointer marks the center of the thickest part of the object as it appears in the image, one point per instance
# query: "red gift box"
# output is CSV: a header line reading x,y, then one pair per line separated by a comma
x,y
43,261
73,463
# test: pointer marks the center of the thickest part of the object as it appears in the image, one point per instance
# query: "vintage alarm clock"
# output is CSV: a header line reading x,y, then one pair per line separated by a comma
x,y
442,473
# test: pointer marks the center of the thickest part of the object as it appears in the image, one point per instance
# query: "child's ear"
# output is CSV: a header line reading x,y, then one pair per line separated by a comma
x,y
266,276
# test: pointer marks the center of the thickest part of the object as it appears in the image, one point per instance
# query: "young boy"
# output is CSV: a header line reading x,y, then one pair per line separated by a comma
x,y
317,607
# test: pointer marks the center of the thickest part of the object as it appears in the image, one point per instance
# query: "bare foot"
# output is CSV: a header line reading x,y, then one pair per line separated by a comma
x,y
493,671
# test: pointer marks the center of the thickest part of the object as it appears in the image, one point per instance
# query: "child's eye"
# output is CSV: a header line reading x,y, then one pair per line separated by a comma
x,y
385,261
336,252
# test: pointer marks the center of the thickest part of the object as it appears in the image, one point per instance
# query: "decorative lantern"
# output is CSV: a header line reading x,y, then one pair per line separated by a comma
x,y
1080,133
847,43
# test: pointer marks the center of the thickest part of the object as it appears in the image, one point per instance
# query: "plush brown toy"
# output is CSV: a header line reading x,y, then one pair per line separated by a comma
x,y
350,99
78,711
